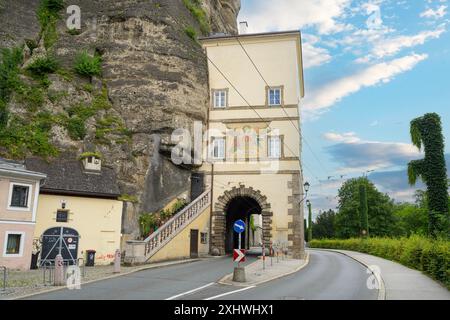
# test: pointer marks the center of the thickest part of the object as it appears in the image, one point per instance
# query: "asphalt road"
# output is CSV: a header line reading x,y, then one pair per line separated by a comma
x,y
328,275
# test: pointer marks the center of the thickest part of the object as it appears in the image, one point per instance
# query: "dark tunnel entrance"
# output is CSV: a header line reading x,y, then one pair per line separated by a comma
x,y
239,208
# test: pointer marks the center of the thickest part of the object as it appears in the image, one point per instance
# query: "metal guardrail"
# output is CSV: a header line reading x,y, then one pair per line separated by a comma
x,y
4,276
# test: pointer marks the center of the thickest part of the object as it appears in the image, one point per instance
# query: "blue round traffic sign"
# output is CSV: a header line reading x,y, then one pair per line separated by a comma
x,y
239,226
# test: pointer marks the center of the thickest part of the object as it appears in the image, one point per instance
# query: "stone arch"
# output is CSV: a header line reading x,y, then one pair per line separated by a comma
x,y
220,211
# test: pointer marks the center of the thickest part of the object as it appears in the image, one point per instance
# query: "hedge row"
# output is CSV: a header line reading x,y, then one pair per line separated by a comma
x,y
427,255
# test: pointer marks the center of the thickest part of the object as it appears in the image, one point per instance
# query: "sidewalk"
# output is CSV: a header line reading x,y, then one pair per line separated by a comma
x,y
255,274
27,283
400,282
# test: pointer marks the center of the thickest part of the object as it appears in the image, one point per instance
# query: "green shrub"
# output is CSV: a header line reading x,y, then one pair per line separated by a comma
x,y
76,128
194,6
86,65
191,33
43,66
417,252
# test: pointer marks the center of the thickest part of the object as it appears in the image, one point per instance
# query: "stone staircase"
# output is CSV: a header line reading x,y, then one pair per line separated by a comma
x,y
138,252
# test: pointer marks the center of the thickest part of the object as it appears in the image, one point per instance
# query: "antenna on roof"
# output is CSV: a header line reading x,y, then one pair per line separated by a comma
x,y
243,27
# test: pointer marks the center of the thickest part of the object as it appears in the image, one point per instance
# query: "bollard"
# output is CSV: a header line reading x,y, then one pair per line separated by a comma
x,y
4,277
59,271
239,274
117,261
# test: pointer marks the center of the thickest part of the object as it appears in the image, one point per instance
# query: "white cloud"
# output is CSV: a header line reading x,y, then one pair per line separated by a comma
x,y
437,13
314,56
348,137
391,46
356,155
333,92
271,15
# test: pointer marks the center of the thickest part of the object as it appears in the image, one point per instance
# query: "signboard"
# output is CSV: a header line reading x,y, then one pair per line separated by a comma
x,y
239,226
239,255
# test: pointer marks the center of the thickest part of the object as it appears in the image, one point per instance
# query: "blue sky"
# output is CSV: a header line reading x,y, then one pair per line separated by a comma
x,y
371,66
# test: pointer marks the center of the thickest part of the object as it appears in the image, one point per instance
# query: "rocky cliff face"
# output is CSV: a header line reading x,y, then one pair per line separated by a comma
x,y
153,81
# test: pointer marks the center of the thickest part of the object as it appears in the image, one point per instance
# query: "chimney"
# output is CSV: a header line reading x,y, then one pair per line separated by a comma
x,y
243,27
92,163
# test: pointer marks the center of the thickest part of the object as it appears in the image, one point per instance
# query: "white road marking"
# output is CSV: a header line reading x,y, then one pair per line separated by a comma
x,y
228,293
190,291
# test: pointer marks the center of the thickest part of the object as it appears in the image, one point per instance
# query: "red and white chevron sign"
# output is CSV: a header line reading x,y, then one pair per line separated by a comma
x,y
239,255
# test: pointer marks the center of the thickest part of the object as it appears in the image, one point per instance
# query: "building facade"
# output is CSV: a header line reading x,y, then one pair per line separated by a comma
x,y
19,196
253,139
79,205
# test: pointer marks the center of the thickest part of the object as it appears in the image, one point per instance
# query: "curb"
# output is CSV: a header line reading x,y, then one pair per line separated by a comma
x,y
162,265
380,280
222,280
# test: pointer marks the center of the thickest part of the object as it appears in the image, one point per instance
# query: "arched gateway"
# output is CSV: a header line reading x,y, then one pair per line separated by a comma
x,y
239,203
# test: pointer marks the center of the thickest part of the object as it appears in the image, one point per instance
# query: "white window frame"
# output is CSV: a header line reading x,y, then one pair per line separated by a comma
x,y
220,155
5,245
268,97
269,148
218,94
30,191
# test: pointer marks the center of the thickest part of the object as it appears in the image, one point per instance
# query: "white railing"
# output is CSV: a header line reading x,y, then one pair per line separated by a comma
x,y
176,224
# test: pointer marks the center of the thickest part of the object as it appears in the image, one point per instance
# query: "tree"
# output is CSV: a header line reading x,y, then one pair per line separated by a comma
x,y
324,227
310,225
363,210
380,210
426,131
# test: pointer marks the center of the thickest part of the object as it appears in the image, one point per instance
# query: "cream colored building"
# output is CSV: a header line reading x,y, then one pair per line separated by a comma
x,y
19,195
256,83
79,201
251,154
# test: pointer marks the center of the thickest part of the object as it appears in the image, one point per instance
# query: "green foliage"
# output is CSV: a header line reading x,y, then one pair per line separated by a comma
x,y
428,255
10,62
101,101
150,222
128,198
87,65
252,223
310,224
191,33
32,97
194,6
76,128
380,210
324,227
85,155
56,96
48,15
410,219
363,210
32,135
43,66
426,131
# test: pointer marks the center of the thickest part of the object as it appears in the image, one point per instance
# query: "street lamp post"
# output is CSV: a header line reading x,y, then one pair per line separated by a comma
x,y
301,254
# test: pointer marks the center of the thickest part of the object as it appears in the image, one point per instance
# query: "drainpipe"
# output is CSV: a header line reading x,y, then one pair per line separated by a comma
x,y
212,165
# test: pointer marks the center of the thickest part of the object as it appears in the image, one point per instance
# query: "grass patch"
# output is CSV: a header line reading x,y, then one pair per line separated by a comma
x,y
194,6
421,253
87,65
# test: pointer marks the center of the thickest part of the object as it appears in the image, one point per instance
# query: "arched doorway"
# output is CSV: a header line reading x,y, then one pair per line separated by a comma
x,y
240,208
233,205
61,240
